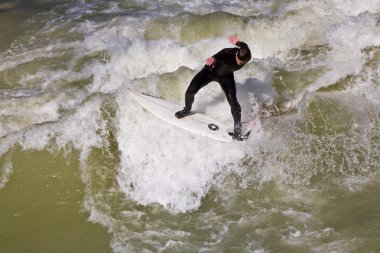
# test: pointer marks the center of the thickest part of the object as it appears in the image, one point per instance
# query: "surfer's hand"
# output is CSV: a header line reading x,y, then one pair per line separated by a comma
x,y
234,39
211,62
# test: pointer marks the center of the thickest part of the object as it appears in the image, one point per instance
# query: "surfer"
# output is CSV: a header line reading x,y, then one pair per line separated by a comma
x,y
220,68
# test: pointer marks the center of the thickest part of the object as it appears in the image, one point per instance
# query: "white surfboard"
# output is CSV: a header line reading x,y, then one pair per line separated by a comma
x,y
196,123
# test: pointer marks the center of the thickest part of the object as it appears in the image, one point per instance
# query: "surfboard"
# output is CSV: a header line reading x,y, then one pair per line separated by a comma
x,y
196,123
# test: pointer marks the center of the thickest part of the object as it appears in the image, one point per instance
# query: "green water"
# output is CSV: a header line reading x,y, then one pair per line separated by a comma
x,y
42,211
41,207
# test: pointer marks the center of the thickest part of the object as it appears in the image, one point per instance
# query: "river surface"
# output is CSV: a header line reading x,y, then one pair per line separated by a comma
x,y
84,168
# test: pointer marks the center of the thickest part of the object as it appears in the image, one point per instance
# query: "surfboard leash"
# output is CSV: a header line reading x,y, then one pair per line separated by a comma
x,y
274,110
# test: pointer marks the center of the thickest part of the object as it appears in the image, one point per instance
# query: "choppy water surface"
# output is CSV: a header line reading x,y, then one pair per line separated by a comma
x,y
83,168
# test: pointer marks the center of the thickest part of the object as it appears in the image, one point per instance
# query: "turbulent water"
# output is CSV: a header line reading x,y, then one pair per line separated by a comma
x,y
84,168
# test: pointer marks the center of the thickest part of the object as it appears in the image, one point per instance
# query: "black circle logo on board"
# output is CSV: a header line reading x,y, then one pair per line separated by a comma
x,y
213,127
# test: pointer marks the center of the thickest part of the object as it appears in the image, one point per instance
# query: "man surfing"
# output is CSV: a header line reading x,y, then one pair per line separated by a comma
x,y
220,68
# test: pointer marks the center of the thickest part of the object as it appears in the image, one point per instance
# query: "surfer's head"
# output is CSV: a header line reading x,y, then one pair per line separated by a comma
x,y
243,55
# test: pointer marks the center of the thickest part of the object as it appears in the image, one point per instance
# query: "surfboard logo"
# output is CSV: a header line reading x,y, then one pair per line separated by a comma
x,y
213,127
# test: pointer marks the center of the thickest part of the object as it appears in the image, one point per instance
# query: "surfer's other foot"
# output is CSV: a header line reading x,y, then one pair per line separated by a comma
x,y
183,113
236,135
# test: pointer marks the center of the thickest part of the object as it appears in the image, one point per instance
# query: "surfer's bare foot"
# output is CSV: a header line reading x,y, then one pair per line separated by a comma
x,y
183,113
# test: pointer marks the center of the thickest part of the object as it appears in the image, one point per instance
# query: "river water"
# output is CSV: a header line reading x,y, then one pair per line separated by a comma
x,y
83,168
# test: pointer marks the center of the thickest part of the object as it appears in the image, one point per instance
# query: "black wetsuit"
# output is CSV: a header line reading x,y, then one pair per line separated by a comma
x,y
221,72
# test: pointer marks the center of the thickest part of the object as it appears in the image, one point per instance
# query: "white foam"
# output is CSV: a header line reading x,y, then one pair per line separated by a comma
x,y
357,183
11,60
351,34
302,216
23,111
6,172
352,8
163,164
83,130
132,57
366,86
248,249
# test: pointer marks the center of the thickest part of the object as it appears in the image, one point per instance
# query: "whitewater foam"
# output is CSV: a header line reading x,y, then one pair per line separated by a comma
x,y
177,176
6,172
